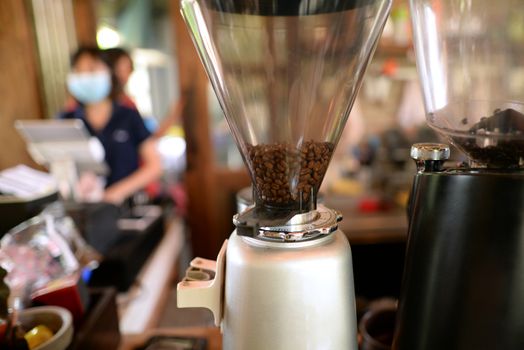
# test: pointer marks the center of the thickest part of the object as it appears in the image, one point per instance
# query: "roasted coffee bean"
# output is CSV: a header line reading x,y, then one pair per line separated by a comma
x,y
505,152
284,175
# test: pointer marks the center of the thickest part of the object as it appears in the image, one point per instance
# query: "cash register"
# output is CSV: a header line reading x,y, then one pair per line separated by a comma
x,y
124,235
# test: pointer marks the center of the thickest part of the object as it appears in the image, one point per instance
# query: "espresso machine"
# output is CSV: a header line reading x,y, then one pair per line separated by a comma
x,y
286,73
463,283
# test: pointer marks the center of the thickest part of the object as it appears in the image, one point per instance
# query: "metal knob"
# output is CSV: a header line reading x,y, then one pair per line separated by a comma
x,y
429,156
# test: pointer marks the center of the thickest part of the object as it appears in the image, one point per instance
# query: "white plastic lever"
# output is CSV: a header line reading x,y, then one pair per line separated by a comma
x,y
204,293
205,264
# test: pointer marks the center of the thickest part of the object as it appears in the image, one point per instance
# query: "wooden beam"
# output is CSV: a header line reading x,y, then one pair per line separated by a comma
x,y
211,190
85,22
199,181
19,79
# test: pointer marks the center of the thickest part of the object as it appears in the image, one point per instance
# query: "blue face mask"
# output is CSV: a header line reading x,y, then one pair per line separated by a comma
x,y
89,87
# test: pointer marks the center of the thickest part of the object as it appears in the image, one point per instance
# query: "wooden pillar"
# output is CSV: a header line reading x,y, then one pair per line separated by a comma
x,y
199,181
211,189
19,79
85,22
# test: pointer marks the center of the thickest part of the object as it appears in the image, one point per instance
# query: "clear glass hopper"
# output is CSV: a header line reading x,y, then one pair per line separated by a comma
x,y
286,74
470,58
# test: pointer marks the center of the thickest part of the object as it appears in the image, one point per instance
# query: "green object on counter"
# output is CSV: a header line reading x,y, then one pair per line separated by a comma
x,y
400,13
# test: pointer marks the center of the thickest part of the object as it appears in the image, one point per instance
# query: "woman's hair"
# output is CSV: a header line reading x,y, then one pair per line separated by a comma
x,y
99,54
114,54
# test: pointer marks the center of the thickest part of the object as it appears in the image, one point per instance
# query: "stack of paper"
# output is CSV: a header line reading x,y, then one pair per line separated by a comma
x,y
25,182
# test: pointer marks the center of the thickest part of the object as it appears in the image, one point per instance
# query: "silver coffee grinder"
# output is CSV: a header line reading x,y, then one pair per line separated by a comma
x,y
286,73
463,284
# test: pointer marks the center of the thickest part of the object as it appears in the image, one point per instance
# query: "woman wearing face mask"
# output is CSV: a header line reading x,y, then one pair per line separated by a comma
x,y
120,129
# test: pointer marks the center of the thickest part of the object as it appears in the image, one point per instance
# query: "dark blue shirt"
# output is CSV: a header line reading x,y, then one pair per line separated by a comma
x,y
121,138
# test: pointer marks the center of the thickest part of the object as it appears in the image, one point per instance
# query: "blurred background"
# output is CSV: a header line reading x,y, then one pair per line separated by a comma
x,y
368,180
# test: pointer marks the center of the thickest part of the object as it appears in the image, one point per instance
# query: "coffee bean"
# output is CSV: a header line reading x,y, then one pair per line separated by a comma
x,y
285,175
502,152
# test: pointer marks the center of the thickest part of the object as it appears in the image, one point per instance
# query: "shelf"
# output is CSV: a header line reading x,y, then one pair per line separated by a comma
x,y
141,306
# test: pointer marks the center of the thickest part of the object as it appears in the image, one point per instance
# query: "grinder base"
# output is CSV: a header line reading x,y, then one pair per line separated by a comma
x,y
289,295
464,274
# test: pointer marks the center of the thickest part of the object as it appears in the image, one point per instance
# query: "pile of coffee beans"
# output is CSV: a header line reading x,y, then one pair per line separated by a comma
x,y
506,154
286,175
505,151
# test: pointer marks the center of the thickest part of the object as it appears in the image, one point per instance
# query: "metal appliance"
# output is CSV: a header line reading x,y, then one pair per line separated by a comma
x,y
464,275
286,73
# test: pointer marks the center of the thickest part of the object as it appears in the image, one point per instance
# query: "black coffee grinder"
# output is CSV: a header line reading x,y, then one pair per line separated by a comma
x,y
463,284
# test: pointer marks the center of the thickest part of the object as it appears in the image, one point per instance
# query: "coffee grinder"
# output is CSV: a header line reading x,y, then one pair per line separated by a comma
x,y
286,73
463,282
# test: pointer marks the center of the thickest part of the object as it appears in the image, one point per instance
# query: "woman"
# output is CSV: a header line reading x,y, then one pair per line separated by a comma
x,y
121,64
131,153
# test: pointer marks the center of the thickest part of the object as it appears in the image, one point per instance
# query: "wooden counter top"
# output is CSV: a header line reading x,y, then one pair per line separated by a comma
x,y
383,226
